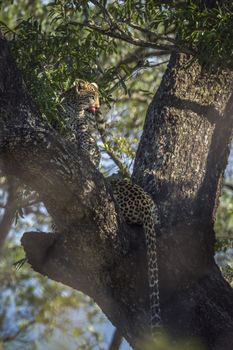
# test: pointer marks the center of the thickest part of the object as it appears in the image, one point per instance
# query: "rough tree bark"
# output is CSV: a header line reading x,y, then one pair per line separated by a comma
x,y
180,162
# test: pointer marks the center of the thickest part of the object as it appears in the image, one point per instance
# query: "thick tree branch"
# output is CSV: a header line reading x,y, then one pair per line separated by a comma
x,y
180,162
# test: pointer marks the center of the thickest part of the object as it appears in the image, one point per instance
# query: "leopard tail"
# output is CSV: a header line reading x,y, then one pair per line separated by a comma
x,y
153,273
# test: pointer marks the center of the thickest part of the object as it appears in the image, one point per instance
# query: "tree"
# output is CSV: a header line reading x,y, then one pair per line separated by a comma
x,y
180,161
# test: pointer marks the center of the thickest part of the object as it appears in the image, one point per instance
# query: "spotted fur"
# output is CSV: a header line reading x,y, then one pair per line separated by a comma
x,y
81,123
137,207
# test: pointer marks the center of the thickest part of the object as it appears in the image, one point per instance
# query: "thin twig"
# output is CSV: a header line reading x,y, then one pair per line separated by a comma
x,y
122,167
149,32
124,37
228,186
14,202
116,340
139,54
107,14
10,211
135,70
16,334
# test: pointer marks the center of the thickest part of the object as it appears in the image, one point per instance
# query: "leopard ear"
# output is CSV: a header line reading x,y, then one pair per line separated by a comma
x,y
80,84
95,85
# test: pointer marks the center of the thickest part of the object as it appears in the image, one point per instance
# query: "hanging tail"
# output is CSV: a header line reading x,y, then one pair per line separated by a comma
x,y
153,273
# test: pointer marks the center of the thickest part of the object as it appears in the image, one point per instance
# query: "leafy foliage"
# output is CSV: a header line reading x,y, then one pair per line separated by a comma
x,y
57,41
54,50
207,32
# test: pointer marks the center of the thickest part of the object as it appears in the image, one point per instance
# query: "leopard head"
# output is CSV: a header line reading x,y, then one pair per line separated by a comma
x,y
83,96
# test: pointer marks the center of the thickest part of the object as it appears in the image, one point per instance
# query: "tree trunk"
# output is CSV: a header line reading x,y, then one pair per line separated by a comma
x,y
180,162
186,140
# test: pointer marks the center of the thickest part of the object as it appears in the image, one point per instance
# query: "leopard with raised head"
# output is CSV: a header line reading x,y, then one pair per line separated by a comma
x,y
78,113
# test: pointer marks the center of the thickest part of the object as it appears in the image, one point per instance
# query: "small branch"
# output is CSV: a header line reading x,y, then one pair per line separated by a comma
x,y
116,340
122,167
124,37
115,24
10,211
108,16
135,70
137,55
133,56
149,33
19,331
31,199
228,186
137,97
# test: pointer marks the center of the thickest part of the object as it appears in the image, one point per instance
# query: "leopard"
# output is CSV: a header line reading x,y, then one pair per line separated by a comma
x,y
79,104
137,207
